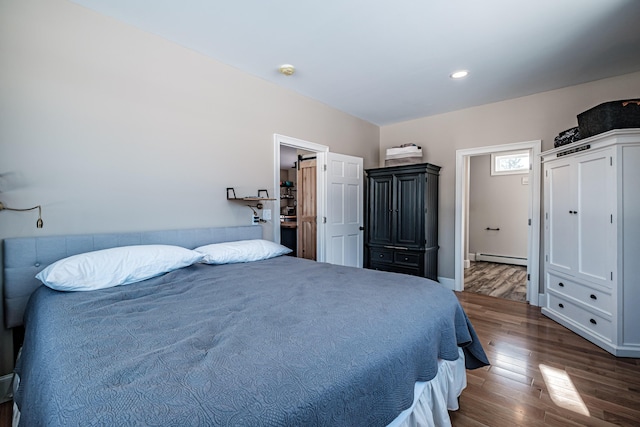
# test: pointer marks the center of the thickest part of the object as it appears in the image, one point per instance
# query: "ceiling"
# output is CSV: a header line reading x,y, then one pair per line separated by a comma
x,y
390,61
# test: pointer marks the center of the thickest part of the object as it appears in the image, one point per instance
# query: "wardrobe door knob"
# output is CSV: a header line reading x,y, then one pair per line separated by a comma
x,y
561,305
593,321
593,297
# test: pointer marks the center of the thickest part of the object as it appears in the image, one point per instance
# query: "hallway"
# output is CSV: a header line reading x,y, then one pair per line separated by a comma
x,y
497,280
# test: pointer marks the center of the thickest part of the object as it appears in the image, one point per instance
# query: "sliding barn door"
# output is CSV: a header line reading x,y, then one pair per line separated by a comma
x,y
307,209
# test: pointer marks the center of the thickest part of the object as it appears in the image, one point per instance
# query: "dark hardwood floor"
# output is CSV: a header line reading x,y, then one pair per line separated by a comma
x,y
541,374
497,280
5,414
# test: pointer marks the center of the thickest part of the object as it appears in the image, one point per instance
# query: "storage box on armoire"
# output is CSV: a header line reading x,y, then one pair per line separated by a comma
x,y
567,137
622,114
406,154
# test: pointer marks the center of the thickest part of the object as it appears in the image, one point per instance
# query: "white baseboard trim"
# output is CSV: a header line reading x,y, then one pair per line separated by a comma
x,y
6,393
467,263
542,300
447,283
503,259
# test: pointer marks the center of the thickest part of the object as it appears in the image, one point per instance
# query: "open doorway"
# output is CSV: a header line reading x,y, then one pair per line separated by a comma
x,y
286,152
497,225
463,161
339,202
296,193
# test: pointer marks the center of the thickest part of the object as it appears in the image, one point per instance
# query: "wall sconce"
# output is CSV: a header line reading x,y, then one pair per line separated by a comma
x,y
39,222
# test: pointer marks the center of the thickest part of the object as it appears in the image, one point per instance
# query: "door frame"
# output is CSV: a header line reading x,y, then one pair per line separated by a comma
x,y
321,191
462,208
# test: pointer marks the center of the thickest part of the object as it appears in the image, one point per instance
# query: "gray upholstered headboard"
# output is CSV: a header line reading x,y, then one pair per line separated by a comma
x,y
24,257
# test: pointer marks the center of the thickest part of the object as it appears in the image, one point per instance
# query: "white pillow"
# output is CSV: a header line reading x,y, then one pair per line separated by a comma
x,y
241,251
116,266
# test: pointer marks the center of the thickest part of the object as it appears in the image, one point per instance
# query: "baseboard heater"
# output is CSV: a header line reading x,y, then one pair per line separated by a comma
x,y
503,259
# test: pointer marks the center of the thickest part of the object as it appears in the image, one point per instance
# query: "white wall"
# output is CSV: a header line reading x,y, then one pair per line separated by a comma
x,y
497,201
112,129
540,116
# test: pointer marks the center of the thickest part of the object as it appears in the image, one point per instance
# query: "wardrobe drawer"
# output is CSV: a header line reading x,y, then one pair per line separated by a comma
x,y
395,268
584,294
407,258
381,255
583,317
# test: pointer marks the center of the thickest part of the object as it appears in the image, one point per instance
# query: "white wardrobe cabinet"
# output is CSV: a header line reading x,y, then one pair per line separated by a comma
x,y
592,239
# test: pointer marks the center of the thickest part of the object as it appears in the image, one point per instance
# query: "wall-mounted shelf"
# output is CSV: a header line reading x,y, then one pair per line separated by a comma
x,y
231,195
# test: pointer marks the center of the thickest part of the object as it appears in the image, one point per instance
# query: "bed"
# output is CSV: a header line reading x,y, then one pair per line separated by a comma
x,y
274,341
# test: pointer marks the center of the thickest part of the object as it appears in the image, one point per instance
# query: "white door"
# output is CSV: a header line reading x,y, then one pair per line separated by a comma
x,y
344,210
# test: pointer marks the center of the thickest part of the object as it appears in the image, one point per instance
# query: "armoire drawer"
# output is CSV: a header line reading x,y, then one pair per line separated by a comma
x,y
381,255
587,320
585,294
407,258
395,268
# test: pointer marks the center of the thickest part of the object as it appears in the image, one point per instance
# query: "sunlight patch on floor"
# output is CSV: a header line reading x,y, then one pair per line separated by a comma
x,y
562,391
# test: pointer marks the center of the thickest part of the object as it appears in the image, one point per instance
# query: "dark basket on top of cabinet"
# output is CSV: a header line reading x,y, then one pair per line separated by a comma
x,y
567,137
622,114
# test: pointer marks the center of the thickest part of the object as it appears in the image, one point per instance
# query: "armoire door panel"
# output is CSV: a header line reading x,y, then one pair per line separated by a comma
x,y
381,210
562,221
409,200
594,220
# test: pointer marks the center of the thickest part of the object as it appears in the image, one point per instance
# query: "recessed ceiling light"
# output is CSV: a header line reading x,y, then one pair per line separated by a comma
x,y
459,74
287,69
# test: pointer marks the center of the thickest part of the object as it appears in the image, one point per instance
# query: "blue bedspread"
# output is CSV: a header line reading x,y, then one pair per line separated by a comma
x,y
281,342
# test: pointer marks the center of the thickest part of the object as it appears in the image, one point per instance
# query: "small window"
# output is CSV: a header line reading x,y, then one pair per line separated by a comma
x,y
512,162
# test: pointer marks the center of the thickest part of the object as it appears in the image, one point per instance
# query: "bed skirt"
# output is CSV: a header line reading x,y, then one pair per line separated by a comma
x,y
432,400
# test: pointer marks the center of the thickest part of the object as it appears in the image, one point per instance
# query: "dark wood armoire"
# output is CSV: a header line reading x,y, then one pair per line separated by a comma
x,y
402,219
